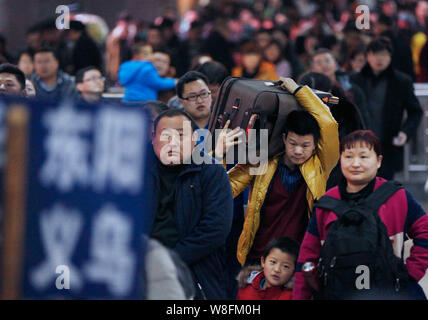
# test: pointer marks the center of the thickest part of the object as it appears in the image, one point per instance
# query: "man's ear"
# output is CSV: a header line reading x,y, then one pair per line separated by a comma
x,y
24,92
153,135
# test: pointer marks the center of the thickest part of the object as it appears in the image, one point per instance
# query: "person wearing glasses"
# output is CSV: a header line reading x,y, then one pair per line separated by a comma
x,y
90,84
195,97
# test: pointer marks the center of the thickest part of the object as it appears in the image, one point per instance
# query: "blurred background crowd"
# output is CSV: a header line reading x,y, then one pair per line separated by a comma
x,y
104,50
283,32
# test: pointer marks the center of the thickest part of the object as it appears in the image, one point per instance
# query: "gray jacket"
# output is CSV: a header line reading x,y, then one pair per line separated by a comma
x,y
65,87
167,277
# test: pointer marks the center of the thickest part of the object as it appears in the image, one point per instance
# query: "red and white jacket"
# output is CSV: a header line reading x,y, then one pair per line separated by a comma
x,y
253,290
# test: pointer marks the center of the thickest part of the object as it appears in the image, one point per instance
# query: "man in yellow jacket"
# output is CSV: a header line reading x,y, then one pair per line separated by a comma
x,y
281,200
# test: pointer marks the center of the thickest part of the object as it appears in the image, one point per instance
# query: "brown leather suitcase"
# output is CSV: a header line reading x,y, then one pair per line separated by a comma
x,y
263,102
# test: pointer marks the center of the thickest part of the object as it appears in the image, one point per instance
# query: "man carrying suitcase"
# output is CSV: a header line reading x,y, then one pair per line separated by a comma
x,y
282,198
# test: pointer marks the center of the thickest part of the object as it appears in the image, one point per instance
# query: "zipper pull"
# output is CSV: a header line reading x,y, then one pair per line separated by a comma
x,y
202,292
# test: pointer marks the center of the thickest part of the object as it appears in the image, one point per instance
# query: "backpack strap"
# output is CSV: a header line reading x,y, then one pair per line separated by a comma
x,y
339,207
373,201
382,194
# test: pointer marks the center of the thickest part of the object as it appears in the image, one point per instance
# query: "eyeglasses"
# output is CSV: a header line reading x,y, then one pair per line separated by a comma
x,y
8,84
202,95
95,79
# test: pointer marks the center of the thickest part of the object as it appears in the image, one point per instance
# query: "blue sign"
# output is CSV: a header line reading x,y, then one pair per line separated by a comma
x,y
85,201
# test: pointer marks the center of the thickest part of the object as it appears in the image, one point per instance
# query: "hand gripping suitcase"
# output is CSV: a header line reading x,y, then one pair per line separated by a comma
x,y
256,104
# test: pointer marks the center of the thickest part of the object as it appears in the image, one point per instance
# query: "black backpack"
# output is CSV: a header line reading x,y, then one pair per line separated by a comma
x,y
357,243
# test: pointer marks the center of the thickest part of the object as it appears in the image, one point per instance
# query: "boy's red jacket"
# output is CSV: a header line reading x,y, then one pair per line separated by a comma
x,y
254,292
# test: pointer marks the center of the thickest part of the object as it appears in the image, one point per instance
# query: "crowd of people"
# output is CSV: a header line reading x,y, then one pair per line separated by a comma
x,y
244,236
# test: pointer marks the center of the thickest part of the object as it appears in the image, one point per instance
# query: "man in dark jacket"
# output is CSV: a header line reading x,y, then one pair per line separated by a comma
x,y
389,93
190,205
402,54
50,82
85,51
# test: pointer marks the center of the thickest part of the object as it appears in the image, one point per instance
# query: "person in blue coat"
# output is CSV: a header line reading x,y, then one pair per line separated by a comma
x,y
140,77
189,203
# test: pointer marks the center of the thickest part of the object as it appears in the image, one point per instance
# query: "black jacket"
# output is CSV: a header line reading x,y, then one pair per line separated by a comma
x,y
400,97
401,55
86,53
204,212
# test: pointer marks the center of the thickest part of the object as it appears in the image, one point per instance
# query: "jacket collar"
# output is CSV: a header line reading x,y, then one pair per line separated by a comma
x,y
189,168
367,71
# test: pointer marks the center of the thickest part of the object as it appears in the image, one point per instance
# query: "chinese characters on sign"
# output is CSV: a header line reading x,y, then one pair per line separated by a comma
x,y
84,202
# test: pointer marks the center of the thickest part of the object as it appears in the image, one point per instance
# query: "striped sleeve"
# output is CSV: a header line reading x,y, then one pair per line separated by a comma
x,y
416,227
309,251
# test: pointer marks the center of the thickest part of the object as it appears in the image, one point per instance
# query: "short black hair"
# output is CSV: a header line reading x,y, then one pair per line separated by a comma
x,y
328,41
188,77
385,20
77,26
81,73
361,49
36,28
285,244
155,107
154,26
302,123
27,52
47,49
263,30
215,71
170,113
136,48
12,69
380,44
321,51
316,80
351,26
166,23
48,24
164,50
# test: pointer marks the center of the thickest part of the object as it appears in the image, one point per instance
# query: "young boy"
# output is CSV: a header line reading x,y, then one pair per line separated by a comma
x,y
274,281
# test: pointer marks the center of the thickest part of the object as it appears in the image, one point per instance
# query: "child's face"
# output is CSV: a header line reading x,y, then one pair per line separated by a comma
x,y
278,267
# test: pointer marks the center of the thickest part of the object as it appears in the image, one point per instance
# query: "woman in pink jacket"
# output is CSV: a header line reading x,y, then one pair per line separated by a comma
x,y
403,217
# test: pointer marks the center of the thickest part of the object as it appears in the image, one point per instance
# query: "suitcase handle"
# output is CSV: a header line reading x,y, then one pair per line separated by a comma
x,y
235,108
223,119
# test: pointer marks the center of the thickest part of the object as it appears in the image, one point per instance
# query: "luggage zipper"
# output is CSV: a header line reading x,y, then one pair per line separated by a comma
x,y
220,119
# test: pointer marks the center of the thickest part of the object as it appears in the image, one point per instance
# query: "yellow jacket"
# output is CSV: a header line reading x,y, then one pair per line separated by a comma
x,y
315,170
